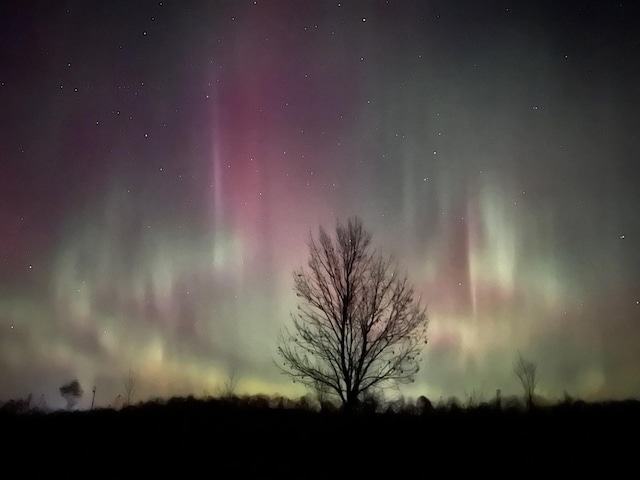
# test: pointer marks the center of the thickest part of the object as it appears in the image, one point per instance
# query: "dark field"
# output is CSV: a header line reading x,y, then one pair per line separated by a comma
x,y
187,438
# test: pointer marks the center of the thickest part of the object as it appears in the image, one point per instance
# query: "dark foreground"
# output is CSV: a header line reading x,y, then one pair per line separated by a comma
x,y
188,438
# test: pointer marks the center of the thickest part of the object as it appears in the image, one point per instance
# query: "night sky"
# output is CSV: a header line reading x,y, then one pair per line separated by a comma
x,y
162,165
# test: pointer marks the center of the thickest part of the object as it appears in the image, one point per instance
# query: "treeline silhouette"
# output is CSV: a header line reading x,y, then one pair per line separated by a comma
x,y
263,437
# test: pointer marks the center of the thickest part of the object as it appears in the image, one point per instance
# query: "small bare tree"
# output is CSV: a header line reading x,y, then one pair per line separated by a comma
x,y
129,384
72,393
475,397
360,326
525,370
230,384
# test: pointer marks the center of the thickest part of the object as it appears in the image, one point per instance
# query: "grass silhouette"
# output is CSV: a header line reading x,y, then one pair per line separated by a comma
x,y
257,437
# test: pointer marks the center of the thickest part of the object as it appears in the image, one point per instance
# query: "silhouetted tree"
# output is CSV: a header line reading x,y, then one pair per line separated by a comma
x,y
116,402
19,405
525,370
359,327
129,384
475,397
72,393
230,384
424,405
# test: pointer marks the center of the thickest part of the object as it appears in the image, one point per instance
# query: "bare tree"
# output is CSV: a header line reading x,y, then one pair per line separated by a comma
x,y
525,370
129,384
71,392
116,402
475,397
230,384
359,327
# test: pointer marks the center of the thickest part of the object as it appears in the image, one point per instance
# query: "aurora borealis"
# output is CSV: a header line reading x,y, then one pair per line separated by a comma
x,y
163,163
